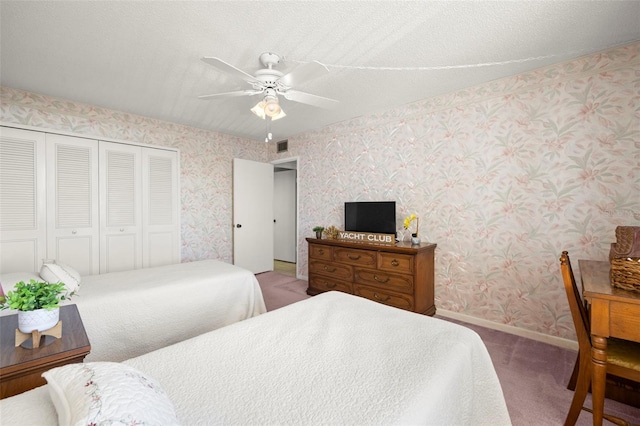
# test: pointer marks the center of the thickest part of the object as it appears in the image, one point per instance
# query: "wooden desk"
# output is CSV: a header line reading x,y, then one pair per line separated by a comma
x,y
614,313
20,368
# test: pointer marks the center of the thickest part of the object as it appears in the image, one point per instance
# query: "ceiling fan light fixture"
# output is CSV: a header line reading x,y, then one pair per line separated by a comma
x,y
271,106
258,109
264,109
279,115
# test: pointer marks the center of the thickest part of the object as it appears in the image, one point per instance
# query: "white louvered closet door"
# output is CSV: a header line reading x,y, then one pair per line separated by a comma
x,y
120,207
22,200
161,230
73,232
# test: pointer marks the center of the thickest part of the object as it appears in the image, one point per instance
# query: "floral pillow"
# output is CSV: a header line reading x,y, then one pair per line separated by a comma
x,y
58,272
107,393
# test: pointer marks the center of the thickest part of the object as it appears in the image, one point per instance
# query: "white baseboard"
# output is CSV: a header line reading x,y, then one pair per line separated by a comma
x,y
534,335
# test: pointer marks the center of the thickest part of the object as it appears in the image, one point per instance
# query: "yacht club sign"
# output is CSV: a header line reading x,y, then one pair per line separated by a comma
x,y
368,238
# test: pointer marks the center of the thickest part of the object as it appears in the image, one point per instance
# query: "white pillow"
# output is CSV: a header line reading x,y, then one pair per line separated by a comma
x,y
107,393
9,281
59,272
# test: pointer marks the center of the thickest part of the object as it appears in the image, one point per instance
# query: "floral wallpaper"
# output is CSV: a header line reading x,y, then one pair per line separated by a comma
x,y
503,176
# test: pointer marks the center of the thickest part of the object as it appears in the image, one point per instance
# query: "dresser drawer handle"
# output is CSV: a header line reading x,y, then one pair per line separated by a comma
x,y
381,299
352,257
394,262
330,285
321,251
375,277
326,268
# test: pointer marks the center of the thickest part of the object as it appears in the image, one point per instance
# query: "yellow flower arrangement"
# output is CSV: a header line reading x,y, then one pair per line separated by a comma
x,y
407,223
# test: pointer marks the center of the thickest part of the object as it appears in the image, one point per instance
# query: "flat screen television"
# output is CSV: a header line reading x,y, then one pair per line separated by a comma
x,y
370,216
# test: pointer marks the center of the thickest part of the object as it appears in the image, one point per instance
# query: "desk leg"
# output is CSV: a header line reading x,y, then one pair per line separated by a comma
x,y
599,377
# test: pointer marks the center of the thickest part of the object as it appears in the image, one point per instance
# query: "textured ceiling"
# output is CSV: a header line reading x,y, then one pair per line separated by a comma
x,y
143,57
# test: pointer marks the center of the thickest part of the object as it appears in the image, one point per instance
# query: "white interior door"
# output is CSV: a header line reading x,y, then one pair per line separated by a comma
x,y
284,207
73,232
253,215
120,207
160,208
23,200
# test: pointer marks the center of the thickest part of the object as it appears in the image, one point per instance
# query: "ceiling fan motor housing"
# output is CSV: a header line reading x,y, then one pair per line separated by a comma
x,y
268,76
269,59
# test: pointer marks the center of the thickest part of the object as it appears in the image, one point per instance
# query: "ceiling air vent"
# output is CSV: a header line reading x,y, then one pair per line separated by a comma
x,y
283,146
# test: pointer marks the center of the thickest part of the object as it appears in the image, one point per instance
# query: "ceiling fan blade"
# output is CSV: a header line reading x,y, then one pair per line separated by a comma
x,y
235,94
302,73
229,69
308,98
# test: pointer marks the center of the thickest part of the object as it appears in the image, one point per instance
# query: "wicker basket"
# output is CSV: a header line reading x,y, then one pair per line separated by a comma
x,y
625,273
627,243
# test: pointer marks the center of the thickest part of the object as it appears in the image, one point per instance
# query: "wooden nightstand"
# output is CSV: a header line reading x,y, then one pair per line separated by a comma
x,y
21,368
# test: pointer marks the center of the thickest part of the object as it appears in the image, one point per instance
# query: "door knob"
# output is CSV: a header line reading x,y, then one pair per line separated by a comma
x,y
238,226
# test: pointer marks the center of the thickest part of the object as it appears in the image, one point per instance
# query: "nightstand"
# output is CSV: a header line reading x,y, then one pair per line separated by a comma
x,y
21,368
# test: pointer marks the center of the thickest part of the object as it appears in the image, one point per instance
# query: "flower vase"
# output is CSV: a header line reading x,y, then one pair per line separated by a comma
x,y
415,240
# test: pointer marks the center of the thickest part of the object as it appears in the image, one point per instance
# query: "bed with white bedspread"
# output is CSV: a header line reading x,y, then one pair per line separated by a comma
x,y
130,313
331,359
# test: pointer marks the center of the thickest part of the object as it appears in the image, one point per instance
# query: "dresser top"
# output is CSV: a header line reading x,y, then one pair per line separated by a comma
x,y
399,247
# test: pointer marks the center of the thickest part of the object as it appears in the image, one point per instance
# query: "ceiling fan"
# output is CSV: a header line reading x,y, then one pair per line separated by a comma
x,y
271,83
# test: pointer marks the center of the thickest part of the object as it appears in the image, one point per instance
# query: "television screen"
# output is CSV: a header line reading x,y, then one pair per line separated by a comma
x,y
370,216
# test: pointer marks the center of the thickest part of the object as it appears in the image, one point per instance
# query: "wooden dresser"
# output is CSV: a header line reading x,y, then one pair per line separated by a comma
x,y
400,275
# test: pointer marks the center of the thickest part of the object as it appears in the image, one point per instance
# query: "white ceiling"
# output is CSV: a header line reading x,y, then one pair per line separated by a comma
x,y
143,57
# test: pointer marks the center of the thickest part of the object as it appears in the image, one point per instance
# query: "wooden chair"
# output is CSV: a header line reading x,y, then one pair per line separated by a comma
x,y
623,357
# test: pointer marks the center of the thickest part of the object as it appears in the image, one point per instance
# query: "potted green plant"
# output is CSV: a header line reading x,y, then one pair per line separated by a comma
x,y
318,230
37,302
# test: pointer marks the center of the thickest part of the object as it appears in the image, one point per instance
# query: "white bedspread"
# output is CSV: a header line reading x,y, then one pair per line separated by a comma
x,y
332,359
126,314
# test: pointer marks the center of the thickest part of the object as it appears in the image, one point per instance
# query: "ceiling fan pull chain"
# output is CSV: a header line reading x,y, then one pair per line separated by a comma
x,y
269,134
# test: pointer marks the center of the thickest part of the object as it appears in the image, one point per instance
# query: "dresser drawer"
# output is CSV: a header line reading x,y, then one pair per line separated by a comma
x,y
333,270
396,262
392,299
384,280
355,256
319,251
327,284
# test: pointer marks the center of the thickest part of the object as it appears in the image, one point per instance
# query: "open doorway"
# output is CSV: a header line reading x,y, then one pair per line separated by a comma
x,y
285,250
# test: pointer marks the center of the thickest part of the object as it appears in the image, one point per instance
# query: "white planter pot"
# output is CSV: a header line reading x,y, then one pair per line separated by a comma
x,y
40,319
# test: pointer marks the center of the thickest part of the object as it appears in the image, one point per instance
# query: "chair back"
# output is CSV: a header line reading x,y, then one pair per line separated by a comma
x,y
576,305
